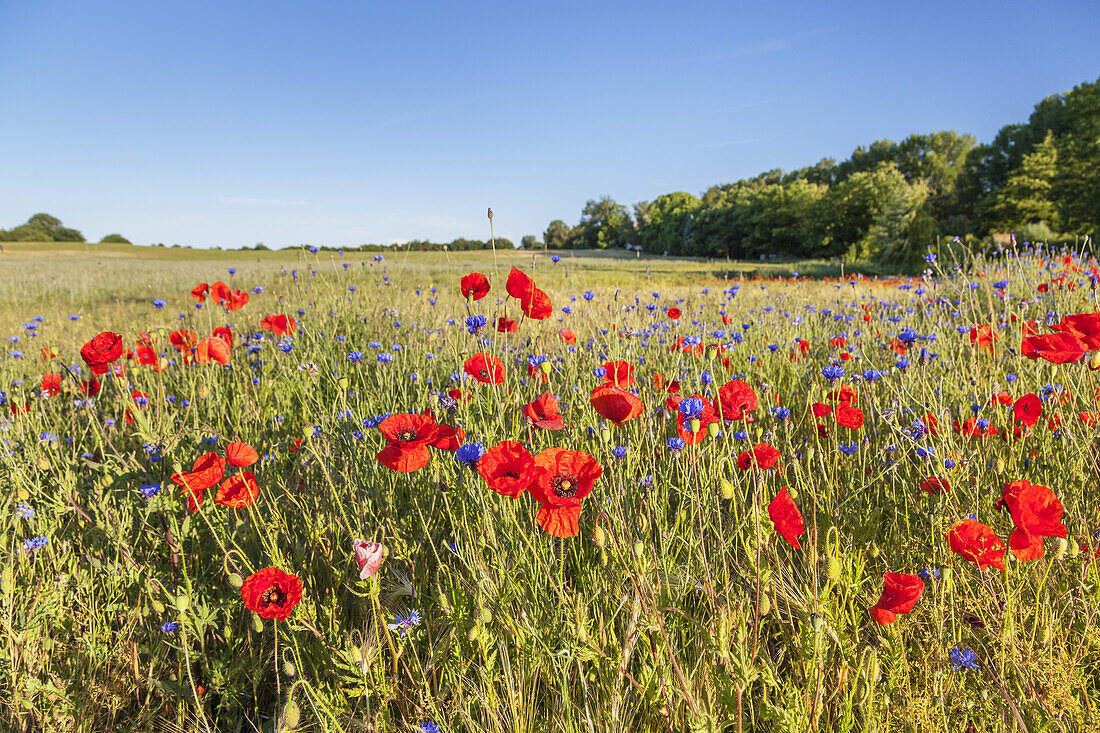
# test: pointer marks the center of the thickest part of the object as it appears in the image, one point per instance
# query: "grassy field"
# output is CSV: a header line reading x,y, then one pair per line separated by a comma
x,y
679,601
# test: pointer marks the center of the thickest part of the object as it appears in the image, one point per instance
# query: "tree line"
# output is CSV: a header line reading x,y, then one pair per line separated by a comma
x,y
886,203
47,228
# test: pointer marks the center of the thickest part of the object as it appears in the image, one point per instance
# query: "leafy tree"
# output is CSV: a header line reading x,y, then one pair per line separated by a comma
x,y
665,222
41,228
115,239
556,235
529,242
1026,196
604,224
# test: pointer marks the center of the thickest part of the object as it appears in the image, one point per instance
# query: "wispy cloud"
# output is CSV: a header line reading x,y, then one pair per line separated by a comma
x,y
248,201
725,144
768,45
421,113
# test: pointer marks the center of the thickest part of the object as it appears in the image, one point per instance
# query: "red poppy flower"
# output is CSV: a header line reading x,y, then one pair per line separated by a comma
x,y
475,285
212,349
562,479
270,593
519,285
507,325
935,485
762,456
900,594
485,368
207,470
101,351
224,334
183,339
1084,326
90,387
238,491
978,543
568,335
146,355
241,455
220,292
508,468
1057,348
619,373
450,438
1037,513
51,385
845,393
735,398
280,325
820,409
674,313
545,412
849,416
409,436
237,299
199,291
983,336
537,306
1028,409
614,404
786,518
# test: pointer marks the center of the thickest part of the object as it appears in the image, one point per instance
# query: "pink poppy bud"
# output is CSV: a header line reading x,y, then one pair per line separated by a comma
x,y
369,555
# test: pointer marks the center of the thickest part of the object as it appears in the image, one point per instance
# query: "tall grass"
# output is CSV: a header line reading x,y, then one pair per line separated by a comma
x,y
676,608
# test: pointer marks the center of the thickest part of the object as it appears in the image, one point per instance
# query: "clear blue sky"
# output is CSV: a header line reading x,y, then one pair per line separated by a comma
x,y
227,123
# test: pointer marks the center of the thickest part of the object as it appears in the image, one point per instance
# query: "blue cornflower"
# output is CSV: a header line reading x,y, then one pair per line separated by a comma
x,y
355,357
781,412
385,358
470,454
963,657
476,323
427,726
24,511
929,573
872,375
169,627
404,624
159,304
833,372
849,450
619,452
676,444
34,544
692,408
150,490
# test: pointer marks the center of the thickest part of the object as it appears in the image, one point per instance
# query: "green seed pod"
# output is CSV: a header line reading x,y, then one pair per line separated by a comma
x,y
182,603
474,632
1074,549
726,489
765,604
257,623
291,715
289,669
307,431
1061,546
545,367
599,536
442,598
157,606
832,569
342,382
236,580
712,351
818,621
695,425
1000,466
355,654
605,435
945,574
603,558
713,429
639,548
484,615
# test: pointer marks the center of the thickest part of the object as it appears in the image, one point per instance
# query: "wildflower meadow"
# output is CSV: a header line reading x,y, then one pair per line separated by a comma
x,y
510,491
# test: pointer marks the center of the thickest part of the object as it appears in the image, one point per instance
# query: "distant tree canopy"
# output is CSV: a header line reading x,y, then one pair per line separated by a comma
x,y
41,228
115,239
887,201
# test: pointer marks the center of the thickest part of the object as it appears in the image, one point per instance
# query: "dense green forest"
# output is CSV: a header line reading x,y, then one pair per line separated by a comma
x,y
888,202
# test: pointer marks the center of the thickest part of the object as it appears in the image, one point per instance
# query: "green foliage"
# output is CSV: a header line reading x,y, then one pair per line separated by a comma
x,y
1025,197
41,228
115,239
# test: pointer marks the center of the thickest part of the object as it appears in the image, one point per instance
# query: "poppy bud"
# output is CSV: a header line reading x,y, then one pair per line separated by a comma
x,y
695,425
182,603
603,558
1094,361
203,392
599,537
1061,546
713,429
289,669
291,715
473,633
157,606
257,623
874,551
605,435
236,580
355,654
818,621
1074,549
545,367
712,352
793,492
1000,466
810,454
342,382
832,569
307,431
726,489
639,548
484,615
44,464
765,604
